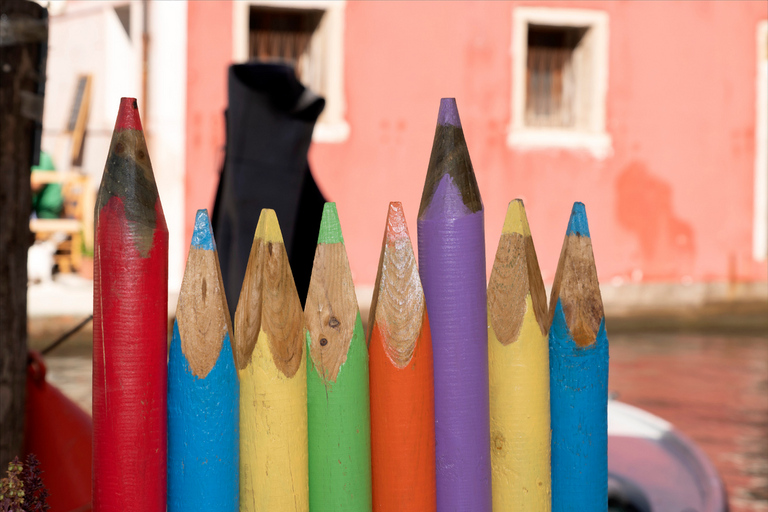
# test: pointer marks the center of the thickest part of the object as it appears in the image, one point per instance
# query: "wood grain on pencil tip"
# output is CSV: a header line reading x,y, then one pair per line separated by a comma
x,y
337,380
401,377
578,356
203,389
515,276
518,356
576,285
267,299
331,307
269,326
398,298
202,313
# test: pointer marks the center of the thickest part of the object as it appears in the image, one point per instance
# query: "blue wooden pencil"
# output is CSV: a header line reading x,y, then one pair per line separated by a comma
x,y
578,359
203,389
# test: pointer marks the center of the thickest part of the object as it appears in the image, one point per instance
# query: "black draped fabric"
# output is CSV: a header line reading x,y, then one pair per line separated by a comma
x,y
269,120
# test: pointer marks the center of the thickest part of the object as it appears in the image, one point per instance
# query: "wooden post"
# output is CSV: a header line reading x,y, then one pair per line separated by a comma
x,y
337,380
23,47
452,267
203,390
270,338
518,360
130,316
578,359
402,392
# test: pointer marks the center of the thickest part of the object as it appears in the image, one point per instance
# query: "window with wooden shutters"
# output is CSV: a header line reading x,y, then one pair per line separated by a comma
x,y
285,35
559,79
551,78
309,34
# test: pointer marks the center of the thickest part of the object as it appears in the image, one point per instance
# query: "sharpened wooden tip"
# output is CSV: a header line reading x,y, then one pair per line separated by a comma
x,y
450,156
331,309
202,313
269,301
515,276
576,285
128,175
398,298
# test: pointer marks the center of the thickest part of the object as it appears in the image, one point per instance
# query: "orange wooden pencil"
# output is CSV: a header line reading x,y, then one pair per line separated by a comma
x,y
401,381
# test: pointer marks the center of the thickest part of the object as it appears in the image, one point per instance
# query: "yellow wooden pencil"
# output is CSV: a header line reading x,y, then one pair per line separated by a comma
x,y
518,355
269,327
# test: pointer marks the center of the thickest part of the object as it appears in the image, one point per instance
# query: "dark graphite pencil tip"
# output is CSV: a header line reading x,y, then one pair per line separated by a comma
x,y
128,175
449,113
450,156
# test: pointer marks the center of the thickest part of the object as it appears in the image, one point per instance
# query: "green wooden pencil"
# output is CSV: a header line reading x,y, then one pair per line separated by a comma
x,y
338,412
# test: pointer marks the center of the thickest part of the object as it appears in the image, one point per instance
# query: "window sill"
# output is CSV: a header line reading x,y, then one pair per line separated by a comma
x,y
331,133
599,145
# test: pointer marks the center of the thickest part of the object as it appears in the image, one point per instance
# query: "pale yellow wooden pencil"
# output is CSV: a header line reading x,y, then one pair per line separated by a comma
x,y
518,355
270,334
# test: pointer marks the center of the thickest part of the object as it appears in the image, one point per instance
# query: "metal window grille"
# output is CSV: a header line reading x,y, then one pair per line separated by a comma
x,y
284,35
551,81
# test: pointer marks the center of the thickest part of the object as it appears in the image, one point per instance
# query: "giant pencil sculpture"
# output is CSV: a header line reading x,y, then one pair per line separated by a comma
x,y
402,397
203,391
337,380
578,359
518,359
269,326
130,315
452,266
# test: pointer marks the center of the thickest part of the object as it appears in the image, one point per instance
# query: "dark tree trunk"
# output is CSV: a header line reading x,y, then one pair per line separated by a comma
x,y
23,46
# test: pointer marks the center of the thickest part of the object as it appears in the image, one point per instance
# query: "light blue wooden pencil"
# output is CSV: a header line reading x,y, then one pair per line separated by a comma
x,y
578,359
203,389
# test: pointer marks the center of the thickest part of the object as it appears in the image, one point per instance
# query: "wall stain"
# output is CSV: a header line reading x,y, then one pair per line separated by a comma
x,y
644,207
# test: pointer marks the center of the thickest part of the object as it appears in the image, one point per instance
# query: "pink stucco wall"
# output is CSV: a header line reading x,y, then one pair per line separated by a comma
x,y
673,202
209,52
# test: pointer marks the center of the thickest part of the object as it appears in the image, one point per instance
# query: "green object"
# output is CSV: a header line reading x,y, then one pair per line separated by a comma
x,y
339,426
338,410
47,202
330,228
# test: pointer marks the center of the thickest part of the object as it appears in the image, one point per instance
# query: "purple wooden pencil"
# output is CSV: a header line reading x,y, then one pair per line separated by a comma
x,y
452,267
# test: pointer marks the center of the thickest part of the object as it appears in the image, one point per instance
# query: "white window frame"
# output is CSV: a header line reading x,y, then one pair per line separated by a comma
x,y
592,137
760,235
332,127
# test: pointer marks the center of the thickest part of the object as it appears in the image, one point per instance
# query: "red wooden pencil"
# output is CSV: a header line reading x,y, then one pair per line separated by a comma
x,y
402,392
130,304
